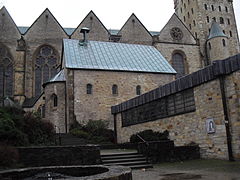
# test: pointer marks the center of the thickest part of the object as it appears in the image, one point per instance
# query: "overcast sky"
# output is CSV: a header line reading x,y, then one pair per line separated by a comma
x,y
154,14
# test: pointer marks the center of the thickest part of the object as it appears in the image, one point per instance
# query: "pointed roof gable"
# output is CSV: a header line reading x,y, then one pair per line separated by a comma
x,y
133,31
8,28
216,31
98,31
46,25
175,22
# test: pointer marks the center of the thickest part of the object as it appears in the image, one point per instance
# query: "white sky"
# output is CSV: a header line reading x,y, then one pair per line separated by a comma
x,y
154,14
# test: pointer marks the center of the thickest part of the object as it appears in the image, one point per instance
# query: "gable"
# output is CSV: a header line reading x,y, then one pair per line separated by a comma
x,y
176,32
46,27
8,28
133,31
98,31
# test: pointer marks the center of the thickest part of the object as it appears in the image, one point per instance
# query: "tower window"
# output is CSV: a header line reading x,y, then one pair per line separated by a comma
x,y
228,20
221,20
207,19
190,26
114,89
194,22
188,14
224,42
230,32
138,90
192,11
219,8
184,18
205,6
224,31
196,35
214,18
184,6
89,89
181,10
226,9
212,7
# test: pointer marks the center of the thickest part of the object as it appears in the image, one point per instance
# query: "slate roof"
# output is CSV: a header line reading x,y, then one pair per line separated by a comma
x,y
216,31
114,57
23,30
60,76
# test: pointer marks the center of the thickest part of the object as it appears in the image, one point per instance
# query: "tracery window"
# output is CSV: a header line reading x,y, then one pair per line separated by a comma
x,y
6,72
178,64
45,67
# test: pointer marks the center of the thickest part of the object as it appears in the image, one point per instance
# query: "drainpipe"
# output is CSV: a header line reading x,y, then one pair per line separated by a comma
x,y
115,128
226,118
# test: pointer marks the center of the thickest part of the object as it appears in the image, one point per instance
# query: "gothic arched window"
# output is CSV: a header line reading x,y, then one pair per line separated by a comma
x,y
45,66
178,64
6,72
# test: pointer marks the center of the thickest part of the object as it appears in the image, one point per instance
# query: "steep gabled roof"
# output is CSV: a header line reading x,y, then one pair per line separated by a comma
x,y
51,15
11,25
97,55
175,21
138,21
93,16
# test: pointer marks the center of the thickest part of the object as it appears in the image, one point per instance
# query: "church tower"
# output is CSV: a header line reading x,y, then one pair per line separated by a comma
x,y
198,16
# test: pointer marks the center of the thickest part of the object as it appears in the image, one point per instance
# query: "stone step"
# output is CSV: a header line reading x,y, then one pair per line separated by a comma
x,y
122,157
132,159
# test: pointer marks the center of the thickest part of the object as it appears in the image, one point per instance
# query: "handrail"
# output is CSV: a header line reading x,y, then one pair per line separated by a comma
x,y
147,146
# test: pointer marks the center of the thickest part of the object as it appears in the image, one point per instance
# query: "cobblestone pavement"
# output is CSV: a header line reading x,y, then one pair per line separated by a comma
x,y
196,169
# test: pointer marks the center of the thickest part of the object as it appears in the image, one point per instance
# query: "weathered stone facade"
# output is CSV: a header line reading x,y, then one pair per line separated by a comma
x,y
210,99
97,106
55,109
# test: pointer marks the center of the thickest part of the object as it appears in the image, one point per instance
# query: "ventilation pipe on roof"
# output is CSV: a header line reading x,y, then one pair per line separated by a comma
x,y
85,31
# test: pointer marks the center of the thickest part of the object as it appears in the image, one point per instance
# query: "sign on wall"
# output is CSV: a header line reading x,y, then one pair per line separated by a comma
x,y
210,125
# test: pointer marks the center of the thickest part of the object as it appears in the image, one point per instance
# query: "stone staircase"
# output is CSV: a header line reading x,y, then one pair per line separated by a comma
x,y
131,159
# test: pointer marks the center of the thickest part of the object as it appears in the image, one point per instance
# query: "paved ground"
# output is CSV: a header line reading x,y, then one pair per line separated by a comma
x,y
196,169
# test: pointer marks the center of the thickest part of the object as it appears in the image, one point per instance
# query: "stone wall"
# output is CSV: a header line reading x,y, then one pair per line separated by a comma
x,y
97,106
56,114
59,155
191,127
209,104
191,54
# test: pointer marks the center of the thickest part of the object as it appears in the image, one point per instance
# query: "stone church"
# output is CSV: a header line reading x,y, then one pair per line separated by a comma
x,y
70,74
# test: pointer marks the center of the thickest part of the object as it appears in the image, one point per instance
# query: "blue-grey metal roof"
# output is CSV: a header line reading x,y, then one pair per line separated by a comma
x,y
216,31
113,31
69,31
23,29
60,76
114,56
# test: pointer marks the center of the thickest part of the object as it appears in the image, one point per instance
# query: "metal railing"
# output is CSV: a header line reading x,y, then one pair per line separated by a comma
x,y
147,146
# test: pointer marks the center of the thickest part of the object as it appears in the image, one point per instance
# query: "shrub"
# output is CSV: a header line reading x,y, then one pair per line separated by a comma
x,y
38,131
94,131
79,133
8,156
149,135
